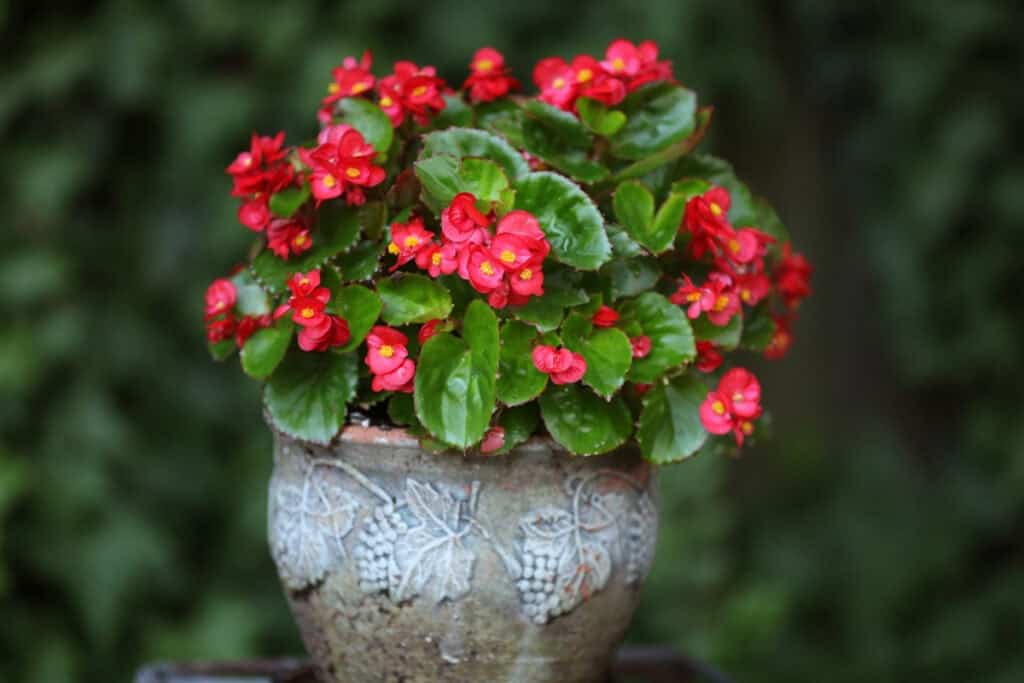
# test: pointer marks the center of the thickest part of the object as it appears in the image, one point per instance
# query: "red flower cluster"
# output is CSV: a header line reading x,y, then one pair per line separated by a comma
x,y
352,78
793,277
489,78
411,90
733,406
606,316
288,236
562,365
709,358
387,356
342,161
221,324
507,266
320,330
257,174
717,297
624,69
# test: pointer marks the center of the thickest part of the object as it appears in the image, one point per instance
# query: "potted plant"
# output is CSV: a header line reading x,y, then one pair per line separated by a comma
x,y
482,320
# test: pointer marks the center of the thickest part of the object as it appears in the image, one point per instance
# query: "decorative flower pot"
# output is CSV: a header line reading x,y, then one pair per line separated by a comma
x,y
404,565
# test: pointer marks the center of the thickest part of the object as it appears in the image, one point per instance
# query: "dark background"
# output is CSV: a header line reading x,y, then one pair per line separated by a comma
x,y
879,538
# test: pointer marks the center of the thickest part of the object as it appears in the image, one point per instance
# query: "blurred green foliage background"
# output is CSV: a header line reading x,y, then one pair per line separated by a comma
x,y
881,536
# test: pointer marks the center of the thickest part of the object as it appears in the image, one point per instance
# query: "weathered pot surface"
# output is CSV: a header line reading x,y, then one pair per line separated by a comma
x,y
403,565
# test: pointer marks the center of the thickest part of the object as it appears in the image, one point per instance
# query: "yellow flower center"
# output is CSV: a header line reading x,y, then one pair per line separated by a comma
x,y
386,101
436,258
304,282
718,408
333,88
693,296
393,248
387,351
484,65
508,256
747,427
584,75
307,313
361,86
219,306
526,274
746,295
618,64
734,246
299,240
558,83
352,172
411,241
329,180
419,91
721,302
486,268
715,209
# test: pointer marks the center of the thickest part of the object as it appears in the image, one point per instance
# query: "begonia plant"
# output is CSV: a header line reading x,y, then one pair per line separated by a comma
x,y
479,265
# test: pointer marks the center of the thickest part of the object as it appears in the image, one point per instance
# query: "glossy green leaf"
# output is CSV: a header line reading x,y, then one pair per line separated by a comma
x,y
607,351
598,118
583,422
758,328
519,423
360,308
546,144
443,176
672,341
337,230
456,379
306,396
658,115
361,261
467,142
564,124
413,298
622,243
519,380
455,113
251,298
222,350
368,119
402,410
285,203
563,287
726,337
569,218
670,429
631,276
634,209
502,117
264,350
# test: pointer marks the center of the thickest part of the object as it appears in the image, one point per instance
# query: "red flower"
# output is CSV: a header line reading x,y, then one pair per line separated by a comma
x,y
650,68
408,240
608,91
342,162
709,358
428,330
781,340
331,331
258,173
287,236
494,439
529,281
622,58
706,218
715,414
511,252
411,90
220,330
220,297
562,365
753,288
606,316
641,389
254,214
438,260
484,271
462,223
696,299
726,302
743,392
248,326
489,79
525,225
641,346
401,379
350,79
556,81
304,284
793,277
747,244
386,349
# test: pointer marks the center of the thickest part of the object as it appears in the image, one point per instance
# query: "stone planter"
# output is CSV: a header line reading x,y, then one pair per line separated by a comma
x,y
402,565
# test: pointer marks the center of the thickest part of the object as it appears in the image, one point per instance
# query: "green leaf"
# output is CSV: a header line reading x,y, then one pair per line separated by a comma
x,y
368,119
455,113
670,429
657,116
222,350
456,379
671,337
362,261
467,142
519,423
546,144
742,211
443,176
690,187
584,423
634,208
402,410
519,380
413,298
264,350
599,118
758,328
359,307
306,397
562,289
607,351
285,203
569,218
666,223
726,337
502,117
251,299
337,229
622,243
631,276
562,123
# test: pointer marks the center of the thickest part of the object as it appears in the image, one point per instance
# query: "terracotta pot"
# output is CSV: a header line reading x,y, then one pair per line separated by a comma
x,y
403,565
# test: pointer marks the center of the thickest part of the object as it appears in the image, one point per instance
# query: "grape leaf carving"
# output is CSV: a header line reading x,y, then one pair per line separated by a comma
x,y
433,557
309,525
583,573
